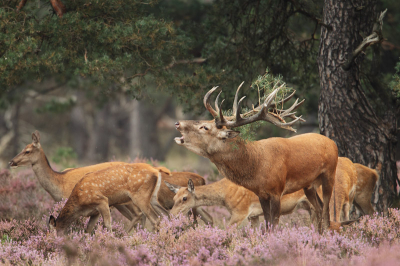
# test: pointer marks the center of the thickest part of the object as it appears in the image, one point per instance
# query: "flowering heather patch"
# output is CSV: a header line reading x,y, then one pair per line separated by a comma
x,y
179,241
21,195
25,239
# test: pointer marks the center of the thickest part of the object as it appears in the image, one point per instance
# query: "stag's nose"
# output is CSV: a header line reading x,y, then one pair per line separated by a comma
x,y
177,124
11,163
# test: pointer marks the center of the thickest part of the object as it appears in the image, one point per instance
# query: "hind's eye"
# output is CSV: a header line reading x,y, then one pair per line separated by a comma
x,y
27,152
184,198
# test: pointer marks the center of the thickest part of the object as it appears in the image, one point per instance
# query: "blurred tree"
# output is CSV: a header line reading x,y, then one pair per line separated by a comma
x,y
110,42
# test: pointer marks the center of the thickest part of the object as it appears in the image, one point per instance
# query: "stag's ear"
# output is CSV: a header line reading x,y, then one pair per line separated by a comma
x,y
36,138
52,223
172,187
227,134
190,186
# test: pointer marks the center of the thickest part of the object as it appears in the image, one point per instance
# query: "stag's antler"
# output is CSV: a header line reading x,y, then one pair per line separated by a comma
x,y
262,112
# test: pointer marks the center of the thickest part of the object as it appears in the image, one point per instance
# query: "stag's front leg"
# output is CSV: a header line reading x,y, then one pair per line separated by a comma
x,y
271,205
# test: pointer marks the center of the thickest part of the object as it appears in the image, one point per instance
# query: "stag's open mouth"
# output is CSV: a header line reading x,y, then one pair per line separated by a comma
x,y
180,140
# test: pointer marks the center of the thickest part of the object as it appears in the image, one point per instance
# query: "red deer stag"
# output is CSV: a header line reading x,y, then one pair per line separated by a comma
x,y
95,192
271,167
239,201
60,184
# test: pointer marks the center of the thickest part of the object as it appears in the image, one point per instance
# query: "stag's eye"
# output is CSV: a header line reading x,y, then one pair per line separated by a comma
x,y
27,152
205,128
184,199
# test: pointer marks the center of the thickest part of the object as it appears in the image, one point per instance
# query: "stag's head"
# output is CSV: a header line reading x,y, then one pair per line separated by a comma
x,y
208,137
30,154
184,198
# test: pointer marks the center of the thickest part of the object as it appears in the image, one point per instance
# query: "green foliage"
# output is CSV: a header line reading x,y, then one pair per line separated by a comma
x,y
395,84
65,156
110,42
56,106
264,85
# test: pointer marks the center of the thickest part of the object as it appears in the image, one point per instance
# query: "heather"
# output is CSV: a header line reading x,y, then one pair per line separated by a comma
x,y
180,241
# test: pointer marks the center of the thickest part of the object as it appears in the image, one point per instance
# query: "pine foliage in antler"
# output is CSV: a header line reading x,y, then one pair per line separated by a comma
x,y
270,107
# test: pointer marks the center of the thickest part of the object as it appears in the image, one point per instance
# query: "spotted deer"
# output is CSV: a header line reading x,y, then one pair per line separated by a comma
x,y
239,201
95,192
270,167
60,184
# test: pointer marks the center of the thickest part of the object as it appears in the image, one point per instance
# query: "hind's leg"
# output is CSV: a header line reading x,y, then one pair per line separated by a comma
x,y
346,212
254,221
205,216
147,210
124,211
105,213
313,198
92,222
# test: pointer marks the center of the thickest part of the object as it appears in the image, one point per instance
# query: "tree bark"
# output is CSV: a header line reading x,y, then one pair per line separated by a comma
x,y
345,114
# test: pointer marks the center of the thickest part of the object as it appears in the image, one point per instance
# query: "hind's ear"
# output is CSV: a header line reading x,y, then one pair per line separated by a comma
x,y
190,186
36,138
172,187
52,223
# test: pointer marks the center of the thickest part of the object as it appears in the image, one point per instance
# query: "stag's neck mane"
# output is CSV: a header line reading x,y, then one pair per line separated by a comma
x,y
50,180
235,161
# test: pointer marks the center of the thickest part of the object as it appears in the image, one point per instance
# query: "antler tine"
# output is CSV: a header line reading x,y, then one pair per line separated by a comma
x,y
216,102
274,105
235,102
285,113
221,116
207,104
287,125
238,117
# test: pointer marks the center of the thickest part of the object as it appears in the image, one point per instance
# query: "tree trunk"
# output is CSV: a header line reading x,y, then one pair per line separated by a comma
x,y
143,131
78,131
100,137
345,114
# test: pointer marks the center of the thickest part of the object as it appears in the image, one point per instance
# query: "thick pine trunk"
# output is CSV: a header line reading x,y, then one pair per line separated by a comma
x,y
344,112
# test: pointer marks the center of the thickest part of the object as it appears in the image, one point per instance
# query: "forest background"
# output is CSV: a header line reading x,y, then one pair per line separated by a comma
x,y
106,80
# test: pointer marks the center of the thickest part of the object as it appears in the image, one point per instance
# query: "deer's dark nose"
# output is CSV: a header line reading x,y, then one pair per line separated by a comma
x,y
176,124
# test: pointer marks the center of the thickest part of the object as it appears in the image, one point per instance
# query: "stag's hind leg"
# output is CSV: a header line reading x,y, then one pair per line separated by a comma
x,y
328,182
271,205
312,196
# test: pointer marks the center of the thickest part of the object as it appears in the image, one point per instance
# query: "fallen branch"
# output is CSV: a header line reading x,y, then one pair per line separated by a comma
x,y
181,62
375,37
